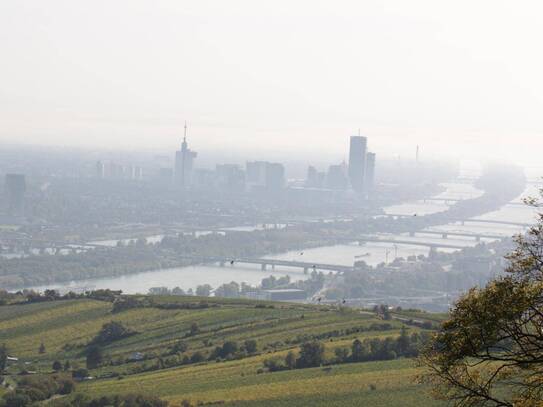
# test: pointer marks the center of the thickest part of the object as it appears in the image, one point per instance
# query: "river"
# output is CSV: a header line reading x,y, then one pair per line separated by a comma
x,y
372,253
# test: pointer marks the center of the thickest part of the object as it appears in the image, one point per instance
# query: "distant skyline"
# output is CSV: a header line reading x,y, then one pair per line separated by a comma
x,y
457,78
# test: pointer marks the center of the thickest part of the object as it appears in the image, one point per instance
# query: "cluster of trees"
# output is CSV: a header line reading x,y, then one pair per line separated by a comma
x,y
110,332
31,296
470,267
33,389
124,400
336,333
490,350
311,353
231,350
203,290
389,348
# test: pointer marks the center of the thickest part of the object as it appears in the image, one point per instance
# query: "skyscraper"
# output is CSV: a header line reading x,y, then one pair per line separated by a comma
x,y
15,185
264,175
100,169
370,172
357,162
337,177
184,162
275,176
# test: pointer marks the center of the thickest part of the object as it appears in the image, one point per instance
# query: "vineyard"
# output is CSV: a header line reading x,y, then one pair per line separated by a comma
x,y
41,333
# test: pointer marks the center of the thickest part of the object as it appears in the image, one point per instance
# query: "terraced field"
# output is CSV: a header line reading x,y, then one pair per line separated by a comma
x,y
66,327
236,383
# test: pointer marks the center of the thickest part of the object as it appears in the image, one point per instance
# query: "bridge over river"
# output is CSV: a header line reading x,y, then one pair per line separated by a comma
x,y
446,234
375,239
463,221
264,263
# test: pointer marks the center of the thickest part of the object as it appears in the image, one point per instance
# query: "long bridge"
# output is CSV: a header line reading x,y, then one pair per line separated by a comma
x,y
466,220
431,245
264,263
448,201
446,234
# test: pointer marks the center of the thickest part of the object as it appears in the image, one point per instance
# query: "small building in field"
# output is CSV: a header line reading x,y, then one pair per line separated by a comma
x,y
136,356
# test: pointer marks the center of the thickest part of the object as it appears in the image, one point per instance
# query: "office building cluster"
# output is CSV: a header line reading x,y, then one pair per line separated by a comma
x,y
256,176
358,174
112,170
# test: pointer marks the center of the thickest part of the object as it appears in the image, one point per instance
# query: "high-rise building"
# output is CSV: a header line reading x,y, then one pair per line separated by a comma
x,y
255,174
263,175
357,162
275,176
184,163
15,185
100,169
314,179
311,179
370,172
337,177
230,177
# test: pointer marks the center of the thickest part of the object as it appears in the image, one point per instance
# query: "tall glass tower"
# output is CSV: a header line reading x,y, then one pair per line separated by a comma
x,y
357,162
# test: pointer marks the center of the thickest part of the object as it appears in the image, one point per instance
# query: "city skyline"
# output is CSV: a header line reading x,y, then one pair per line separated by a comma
x,y
248,84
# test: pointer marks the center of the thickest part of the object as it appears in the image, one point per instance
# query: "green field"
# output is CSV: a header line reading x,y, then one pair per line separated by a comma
x,y
66,327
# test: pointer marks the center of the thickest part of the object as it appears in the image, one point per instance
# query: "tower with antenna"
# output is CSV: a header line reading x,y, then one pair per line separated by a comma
x,y
184,163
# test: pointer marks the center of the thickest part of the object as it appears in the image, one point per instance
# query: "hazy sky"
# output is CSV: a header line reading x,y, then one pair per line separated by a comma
x,y
453,76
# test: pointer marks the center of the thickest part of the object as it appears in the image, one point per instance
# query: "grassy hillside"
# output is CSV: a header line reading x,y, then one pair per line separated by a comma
x,y
65,328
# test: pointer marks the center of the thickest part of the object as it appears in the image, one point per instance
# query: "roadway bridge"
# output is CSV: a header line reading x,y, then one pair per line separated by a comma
x,y
264,263
463,221
432,246
445,234
449,201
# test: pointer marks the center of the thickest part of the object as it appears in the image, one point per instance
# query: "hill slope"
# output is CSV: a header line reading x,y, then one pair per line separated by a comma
x,y
171,351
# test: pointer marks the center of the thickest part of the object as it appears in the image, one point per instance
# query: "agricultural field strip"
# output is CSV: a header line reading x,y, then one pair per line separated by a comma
x,y
327,384
424,316
263,331
163,319
74,331
409,395
212,377
16,315
14,311
44,325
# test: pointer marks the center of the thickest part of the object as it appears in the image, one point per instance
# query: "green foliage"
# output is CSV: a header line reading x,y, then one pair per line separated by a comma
x,y
32,389
311,354
3,357
124,400
251,345
490,350
94,356
180,347
203,290
276,328
112,331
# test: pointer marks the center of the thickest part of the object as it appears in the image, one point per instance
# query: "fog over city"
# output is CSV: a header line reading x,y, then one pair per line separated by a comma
x,y
271,203
290,77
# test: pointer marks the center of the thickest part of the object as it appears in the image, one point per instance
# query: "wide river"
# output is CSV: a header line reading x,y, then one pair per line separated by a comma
x,y
344,254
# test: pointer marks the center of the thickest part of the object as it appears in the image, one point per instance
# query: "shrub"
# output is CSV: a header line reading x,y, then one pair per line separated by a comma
x,y
111,331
